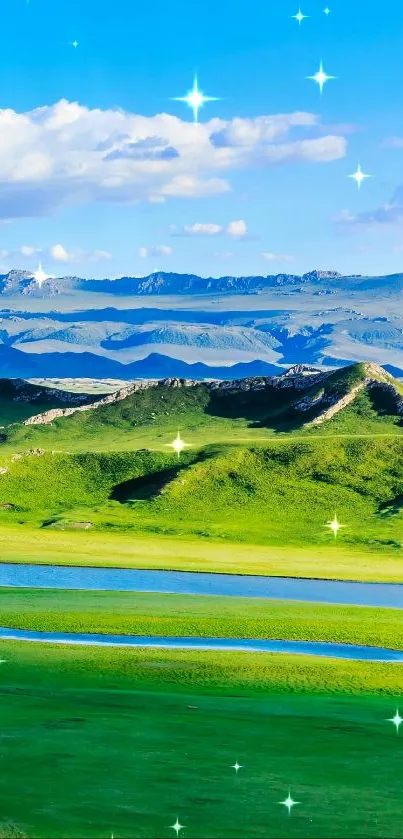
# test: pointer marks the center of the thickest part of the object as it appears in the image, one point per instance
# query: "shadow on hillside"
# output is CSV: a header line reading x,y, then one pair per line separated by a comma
x,y
391,507
145,486
270,408
384,403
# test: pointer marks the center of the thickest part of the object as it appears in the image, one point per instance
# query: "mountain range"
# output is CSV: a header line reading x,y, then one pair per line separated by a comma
x,y
17,282
184,325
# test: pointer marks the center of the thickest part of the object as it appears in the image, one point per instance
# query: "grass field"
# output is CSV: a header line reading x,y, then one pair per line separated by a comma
x,y
122,550
95,743
188,615
98,742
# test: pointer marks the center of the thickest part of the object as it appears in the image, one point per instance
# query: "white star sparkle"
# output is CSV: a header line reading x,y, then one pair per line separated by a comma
x,y
237,766
195,99
334,525
397,720
75,44
289,803
39,276
178,445
359,176
299,17
177,826
327,11
321,77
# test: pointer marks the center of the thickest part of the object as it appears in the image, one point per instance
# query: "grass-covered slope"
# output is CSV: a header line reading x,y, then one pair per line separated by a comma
x,y
363,399
257,470
20,400
280,494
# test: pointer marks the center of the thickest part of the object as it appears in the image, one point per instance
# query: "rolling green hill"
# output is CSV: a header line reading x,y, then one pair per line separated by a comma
x,y
276,494
270,461
361,399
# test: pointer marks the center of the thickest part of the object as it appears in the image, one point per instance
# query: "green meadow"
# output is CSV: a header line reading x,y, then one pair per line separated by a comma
x,y
138,613
97,744
101,742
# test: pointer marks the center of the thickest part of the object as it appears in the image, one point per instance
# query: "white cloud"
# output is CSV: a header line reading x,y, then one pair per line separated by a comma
x,y
199,229
155,250
67,153
237,229
59,254
27,250
102,255
276,257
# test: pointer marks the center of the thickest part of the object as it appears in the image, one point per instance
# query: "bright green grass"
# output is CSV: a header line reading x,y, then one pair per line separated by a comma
x,y
147,417
270,495
121,550
95,742
185,615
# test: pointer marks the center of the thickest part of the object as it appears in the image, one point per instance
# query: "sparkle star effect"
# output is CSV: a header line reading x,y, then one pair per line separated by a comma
x,y
326,11
359,176
195,99
299,17
237,766
289,803
40,277
321,77
178,445
334,526
397,720
177,827
75,44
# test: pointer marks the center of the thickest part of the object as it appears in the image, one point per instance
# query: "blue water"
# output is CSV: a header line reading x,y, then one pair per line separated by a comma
x,y
315,648
187,582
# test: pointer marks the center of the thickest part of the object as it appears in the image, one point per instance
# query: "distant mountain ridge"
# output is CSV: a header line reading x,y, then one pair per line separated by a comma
x,y
17,364
185,325
17,282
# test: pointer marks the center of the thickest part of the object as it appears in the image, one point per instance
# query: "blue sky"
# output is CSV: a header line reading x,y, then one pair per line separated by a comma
x,y
260,186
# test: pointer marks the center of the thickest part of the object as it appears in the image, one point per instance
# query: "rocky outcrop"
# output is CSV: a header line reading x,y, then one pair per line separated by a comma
x,y
337,405
56,413
29,393
298,377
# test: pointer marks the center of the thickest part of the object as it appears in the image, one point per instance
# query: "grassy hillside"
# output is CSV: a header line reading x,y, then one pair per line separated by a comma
x,y
281,494
20,400
256,471
146,418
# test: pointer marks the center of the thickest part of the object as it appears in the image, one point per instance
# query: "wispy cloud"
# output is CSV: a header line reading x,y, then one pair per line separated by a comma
x,y
388,215
234,229
276,257
155,250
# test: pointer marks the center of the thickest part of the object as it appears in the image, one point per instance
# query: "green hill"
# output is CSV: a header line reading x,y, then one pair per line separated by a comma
x,y
283,493
20,400
270,461
361,399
